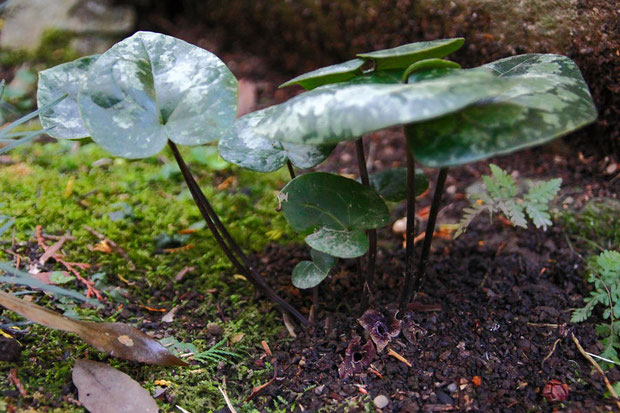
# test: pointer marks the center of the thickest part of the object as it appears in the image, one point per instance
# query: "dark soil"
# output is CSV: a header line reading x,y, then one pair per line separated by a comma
x,y
496,305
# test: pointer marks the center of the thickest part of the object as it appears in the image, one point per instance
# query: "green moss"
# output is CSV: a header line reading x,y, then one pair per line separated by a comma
x,y
66,185
55,49
596,226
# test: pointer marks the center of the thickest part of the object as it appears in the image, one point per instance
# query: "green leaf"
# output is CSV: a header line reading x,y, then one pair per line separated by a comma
x,y
343,111
64,117
338,209
391,184
329,74
549,99
403,56
242,146
429,64
308,274
150,88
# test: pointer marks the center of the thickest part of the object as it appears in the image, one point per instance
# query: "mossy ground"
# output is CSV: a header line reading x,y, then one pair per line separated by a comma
x,y
64,186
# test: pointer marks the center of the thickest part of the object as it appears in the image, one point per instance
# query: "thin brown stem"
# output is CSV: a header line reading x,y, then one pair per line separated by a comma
x,y
409,231
226,242
369,275
291,170
430,228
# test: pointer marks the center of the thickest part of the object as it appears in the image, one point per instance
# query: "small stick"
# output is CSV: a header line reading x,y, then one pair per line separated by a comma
x,y
227,400
597,367
17,383
550,353
112,244
398,357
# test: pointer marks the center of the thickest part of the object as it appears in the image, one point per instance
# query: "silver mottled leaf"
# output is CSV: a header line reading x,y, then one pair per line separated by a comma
x,y
549,99
150,88
340,112
242,146
63,119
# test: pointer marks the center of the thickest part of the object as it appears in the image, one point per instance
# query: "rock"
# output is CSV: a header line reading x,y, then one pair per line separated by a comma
x,y
96,24
9,349
381,401
215,329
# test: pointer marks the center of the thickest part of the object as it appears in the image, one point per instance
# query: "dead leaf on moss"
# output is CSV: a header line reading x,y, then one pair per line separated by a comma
x,y
116,339
103,389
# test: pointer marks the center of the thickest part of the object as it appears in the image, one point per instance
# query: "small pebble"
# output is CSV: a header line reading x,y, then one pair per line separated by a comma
x,y
381,401
452,387
215,329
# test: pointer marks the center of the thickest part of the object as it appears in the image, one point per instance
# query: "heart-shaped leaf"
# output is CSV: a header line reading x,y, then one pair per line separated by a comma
x,y
103,389
117,339
63,119
150,88
550,99
391,184
242,146
338,112
308,274
403,56
338,209
329,74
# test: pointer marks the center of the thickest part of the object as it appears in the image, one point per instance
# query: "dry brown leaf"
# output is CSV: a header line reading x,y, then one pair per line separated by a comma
x,y
117,339
103,389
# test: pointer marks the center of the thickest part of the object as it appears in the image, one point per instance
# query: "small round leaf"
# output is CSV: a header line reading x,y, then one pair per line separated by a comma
x,y
338,209
63,119
241,146
309,274
150,88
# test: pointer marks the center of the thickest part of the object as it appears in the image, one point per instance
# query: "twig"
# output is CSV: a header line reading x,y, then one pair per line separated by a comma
x,y
17,383
51,251
112,244
256,390
398,357
550,353
91,290
227,400
597,367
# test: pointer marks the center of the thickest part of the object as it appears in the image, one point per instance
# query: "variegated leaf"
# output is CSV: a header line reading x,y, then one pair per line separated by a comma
x,y
550,99
339,112
150,88
63,119
241,146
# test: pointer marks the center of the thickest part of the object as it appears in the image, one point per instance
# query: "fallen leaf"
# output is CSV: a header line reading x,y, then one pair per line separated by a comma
x,y
116,339
103,389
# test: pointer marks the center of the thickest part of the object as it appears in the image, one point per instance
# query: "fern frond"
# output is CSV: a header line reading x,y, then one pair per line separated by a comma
x,y
544,191
468,216
538,214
